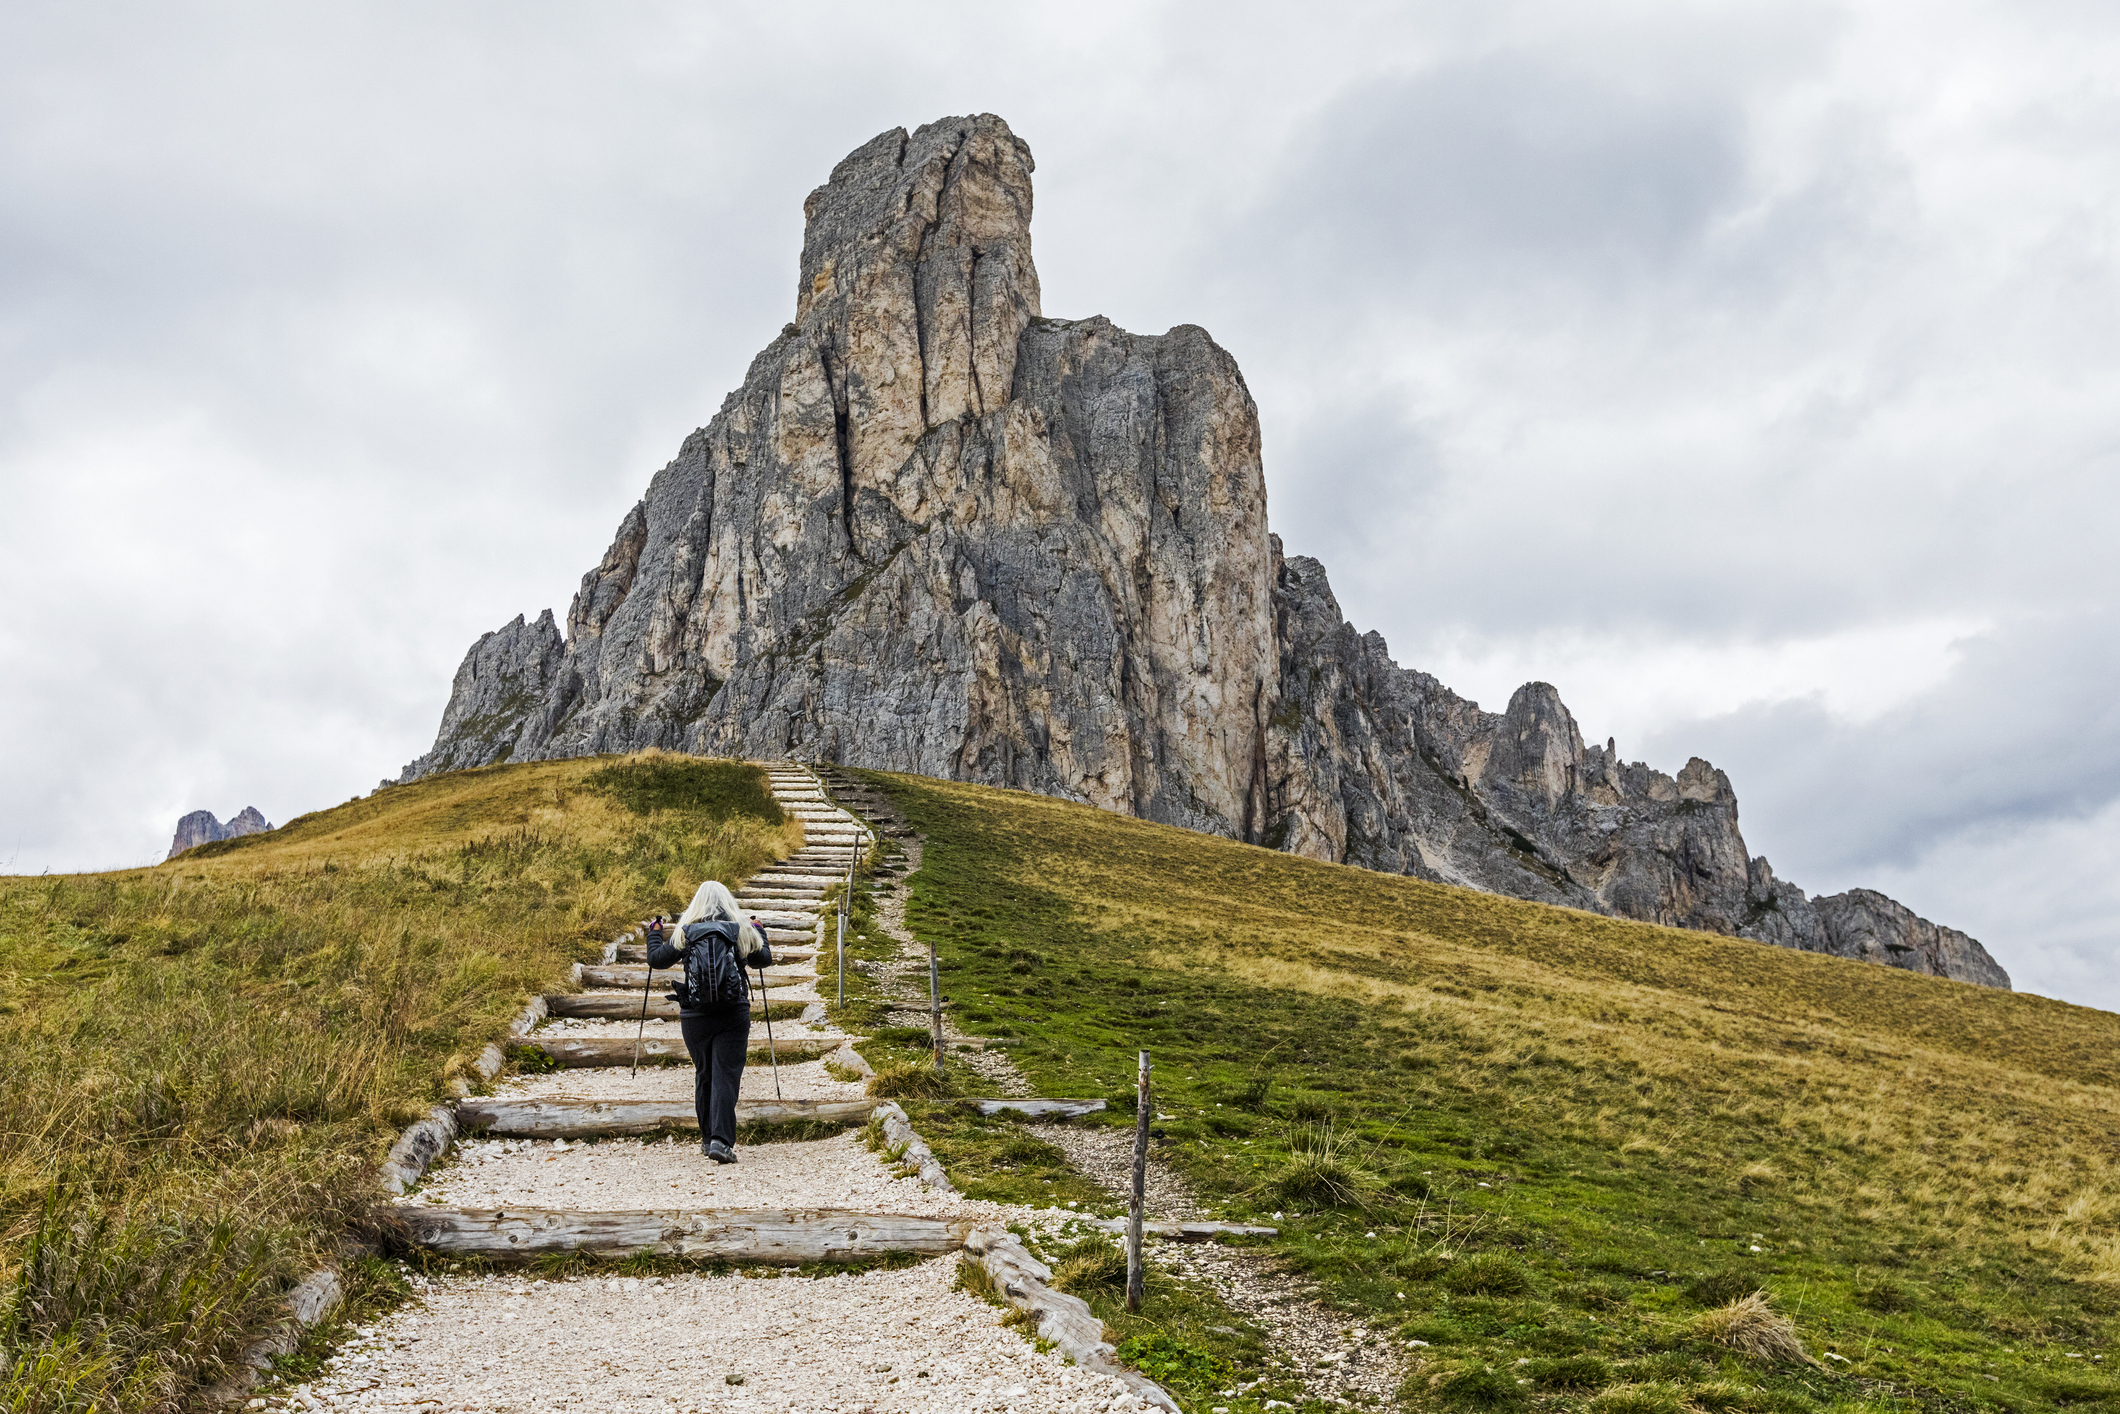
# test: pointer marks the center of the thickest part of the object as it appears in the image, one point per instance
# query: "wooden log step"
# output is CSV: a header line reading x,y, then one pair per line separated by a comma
x,y
617,1006
1066,1109
583,1119
589,1052
776,1235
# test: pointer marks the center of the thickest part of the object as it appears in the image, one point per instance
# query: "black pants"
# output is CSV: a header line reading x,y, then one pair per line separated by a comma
x,y
717,1040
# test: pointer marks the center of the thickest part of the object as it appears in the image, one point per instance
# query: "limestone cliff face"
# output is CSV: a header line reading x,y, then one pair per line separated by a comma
x,y
937,532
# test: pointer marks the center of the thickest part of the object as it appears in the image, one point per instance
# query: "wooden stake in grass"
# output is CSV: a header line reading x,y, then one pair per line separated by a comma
x,y
935,1001
1144,1108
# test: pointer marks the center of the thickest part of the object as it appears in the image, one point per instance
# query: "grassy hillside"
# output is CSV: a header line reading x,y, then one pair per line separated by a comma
x,y
1549,1144
201,1063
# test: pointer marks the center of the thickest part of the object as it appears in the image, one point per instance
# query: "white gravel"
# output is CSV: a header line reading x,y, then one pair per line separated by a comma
x,y
619,1174
890,1342
799,1080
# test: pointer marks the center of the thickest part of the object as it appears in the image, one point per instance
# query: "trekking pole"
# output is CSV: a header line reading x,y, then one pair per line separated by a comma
x,y
644,986
771,1052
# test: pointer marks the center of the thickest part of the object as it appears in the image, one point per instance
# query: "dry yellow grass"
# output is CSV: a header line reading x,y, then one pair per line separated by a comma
x,y
1753,1328
226,1043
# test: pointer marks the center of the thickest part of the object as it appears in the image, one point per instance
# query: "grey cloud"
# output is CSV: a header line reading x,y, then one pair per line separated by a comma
x,y
1940,801
1502,167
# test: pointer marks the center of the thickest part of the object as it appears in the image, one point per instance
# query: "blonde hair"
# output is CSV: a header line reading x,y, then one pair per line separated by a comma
x,y
713,900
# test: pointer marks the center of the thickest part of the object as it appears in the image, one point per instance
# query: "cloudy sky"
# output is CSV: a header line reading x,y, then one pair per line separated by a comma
x,y
1748,371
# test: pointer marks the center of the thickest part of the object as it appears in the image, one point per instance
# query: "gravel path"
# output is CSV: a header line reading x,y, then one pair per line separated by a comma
x,y
881,1342
1105,1157
1333,1355
799,1080
839,1172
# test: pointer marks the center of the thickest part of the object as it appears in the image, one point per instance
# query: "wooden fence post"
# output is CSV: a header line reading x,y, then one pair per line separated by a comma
x,y
935,1001
1144,1110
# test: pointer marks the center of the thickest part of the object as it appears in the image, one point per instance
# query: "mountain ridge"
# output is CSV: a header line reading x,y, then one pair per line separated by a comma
x,y
935,531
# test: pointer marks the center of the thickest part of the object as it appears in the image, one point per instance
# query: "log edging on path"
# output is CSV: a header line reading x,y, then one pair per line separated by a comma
x,y
1064,1320
786,1236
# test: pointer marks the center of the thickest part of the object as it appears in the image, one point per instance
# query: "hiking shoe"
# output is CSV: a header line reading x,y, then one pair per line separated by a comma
x,y
720,1153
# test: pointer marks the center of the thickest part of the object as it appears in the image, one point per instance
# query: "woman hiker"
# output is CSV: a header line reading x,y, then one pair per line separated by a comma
x,y
712,939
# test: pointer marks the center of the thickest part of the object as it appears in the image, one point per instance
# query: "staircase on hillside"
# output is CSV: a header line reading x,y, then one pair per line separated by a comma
x,y
524,1185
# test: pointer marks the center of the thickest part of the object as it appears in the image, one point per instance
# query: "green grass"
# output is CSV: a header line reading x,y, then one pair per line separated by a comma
x,y
1556,1138
202,1063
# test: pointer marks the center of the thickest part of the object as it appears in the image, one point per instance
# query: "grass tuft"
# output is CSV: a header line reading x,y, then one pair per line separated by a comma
x,y
972,1276
1092,1264
1480,1387
1721,1288
1658,1397
1572,1372
1752,1327
1886,1297
1488,1274
1323,1171
912,1081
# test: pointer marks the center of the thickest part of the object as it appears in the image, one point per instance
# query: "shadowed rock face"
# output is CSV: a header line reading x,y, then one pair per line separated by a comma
x,y
200,827
936,532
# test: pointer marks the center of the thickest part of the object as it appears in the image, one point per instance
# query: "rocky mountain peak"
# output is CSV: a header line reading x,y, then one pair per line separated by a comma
x,y
916,286
1537,750
937,532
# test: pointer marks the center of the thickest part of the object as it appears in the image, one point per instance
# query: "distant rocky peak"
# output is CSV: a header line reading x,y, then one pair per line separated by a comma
x,y
1537,748
200,827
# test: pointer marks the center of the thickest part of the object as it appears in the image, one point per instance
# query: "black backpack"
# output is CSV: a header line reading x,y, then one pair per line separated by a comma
x,y
713,975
